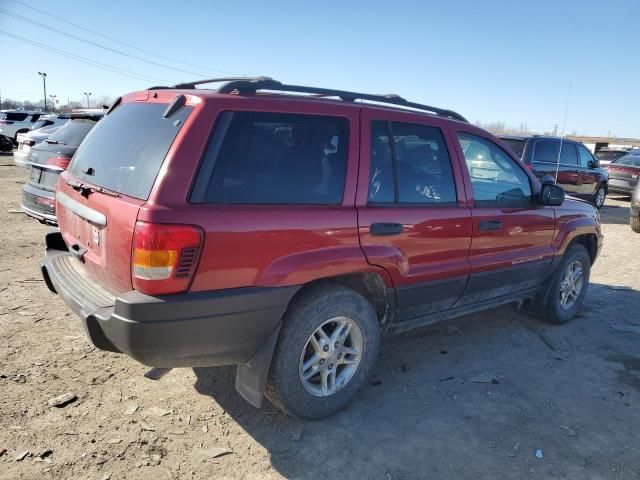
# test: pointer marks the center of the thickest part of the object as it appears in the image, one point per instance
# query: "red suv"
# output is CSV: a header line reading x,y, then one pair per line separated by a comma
x,y
285,233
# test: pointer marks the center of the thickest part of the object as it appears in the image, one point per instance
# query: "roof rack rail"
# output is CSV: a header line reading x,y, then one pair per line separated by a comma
x,y
250,85
190,85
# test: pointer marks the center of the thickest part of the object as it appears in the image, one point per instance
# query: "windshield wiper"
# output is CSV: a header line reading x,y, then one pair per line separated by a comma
x,y
85,190
54,142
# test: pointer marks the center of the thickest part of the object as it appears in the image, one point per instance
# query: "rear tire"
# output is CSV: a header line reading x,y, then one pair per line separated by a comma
x,y
568,286
599,197
315,379
635,224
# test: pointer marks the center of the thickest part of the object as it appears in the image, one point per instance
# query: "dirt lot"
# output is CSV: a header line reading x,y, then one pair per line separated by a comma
x,y
571,391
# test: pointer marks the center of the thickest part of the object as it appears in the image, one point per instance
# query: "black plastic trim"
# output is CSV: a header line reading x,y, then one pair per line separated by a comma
x,y
226,327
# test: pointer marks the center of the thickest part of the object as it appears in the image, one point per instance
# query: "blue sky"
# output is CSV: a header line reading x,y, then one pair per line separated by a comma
x,y
489,60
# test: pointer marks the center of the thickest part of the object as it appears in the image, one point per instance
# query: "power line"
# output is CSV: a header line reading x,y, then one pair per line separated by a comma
x,y
118,41
95,44
94,63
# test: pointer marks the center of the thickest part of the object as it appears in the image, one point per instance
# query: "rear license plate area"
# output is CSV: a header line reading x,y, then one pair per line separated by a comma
x,y
35,174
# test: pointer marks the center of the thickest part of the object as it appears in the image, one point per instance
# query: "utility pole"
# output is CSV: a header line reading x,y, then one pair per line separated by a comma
x,y
53,102
88,94
44,85
555,130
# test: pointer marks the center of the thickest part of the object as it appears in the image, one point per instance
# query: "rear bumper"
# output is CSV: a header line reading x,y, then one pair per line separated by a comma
x,y
20,158
188,330
39,204
622,186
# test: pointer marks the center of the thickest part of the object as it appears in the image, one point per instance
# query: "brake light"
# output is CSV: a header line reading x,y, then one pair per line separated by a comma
x,y
58,162
164,257
28,143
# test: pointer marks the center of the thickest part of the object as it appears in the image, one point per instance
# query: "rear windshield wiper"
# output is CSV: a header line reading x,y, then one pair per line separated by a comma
x,y
85,189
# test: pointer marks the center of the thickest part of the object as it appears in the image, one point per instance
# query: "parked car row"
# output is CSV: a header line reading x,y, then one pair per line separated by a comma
x,y
13,122
45,126
286,232
47,159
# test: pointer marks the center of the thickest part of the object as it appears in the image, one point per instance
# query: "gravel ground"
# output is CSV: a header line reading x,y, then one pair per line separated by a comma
x,y
572,392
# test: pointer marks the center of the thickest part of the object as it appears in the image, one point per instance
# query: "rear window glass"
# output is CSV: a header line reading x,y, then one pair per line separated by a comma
x,y
41,123
126,148
516,145
275,158
631,161
14,117
72,133
609,155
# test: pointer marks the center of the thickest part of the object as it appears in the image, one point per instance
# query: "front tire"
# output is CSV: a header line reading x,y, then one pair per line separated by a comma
x,y
569,285
328,345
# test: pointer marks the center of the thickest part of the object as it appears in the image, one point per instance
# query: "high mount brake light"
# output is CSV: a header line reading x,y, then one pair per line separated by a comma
x,y
164,257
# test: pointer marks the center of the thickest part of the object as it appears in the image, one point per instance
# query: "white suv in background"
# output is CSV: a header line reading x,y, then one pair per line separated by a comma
x,y
13,122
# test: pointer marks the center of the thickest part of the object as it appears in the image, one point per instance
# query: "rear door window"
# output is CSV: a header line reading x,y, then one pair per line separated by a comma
x,y
126,149
546,151
410,164
569,155
274,158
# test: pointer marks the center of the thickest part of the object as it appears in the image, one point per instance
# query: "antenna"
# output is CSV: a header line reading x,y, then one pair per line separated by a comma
x,y
564,124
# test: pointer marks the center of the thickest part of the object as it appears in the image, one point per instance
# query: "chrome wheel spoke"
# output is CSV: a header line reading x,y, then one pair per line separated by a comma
x,y
331,380
350,351
324,381
311,362
310,372
337,332
313,341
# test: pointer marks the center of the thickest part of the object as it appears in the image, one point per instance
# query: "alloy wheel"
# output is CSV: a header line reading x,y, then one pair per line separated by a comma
x,y
571,284
331,356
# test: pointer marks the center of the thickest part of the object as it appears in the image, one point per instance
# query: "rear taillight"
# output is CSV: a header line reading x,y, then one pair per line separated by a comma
x,y
28,143
5,122
164,257
58,162
529,166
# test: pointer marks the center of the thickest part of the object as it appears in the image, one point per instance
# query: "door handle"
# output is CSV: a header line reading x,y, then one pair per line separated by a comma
x,y
490,225
379,229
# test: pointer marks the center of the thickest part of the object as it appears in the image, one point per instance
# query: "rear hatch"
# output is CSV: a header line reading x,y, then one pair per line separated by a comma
x,y
109,179
623,173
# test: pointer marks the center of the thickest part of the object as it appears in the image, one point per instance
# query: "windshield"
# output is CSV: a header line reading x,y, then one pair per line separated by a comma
x,y
516,145
125,151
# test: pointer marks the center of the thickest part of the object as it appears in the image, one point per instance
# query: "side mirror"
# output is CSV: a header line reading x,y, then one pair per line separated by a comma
x,y
591,164
552,195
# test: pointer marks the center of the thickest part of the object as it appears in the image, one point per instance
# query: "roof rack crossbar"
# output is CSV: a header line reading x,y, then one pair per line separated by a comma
x,y
246,86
